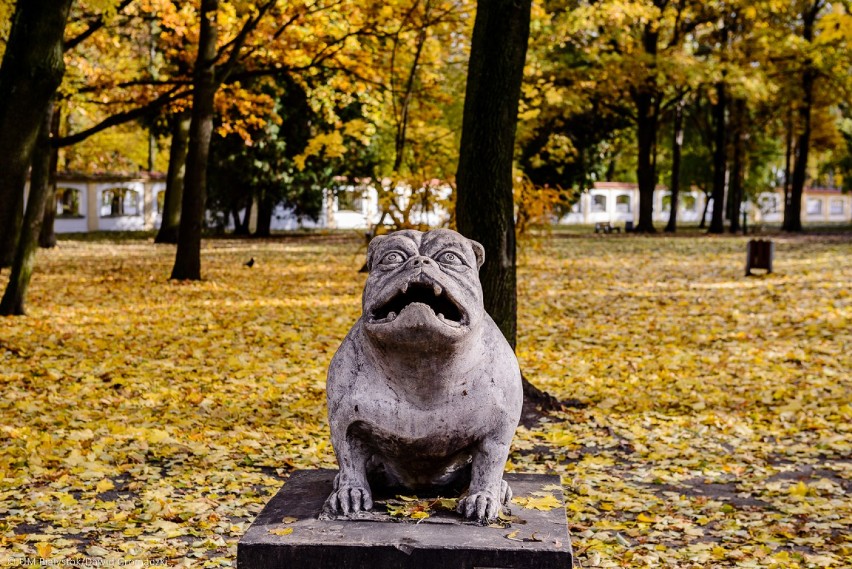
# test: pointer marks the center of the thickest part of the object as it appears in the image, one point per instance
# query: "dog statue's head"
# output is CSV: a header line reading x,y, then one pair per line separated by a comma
x,y
423,287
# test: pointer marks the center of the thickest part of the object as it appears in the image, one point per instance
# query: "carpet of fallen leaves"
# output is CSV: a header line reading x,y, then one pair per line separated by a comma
x,y
151,420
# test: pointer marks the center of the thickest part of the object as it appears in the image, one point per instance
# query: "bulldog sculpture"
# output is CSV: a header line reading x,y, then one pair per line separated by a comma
x,y
424,393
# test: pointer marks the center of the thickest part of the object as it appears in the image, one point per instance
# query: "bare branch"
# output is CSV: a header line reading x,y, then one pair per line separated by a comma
x,y
123,117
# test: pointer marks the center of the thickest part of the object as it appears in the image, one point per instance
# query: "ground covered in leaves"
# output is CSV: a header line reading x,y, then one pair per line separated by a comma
x,y
151,420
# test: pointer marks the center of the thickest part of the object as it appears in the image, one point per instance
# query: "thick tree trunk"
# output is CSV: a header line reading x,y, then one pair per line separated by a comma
x,y
484,203
735,192
646,133
47,236
720,163
31,71
27,246
677,146
265,207
485,208
170,222
188,258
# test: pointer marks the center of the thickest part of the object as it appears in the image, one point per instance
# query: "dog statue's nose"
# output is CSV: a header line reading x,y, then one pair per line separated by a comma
x,y
420,261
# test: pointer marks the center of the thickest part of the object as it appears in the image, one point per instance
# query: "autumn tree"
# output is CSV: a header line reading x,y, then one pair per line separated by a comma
x,y
641,63
568,134
188,258
821,33
31,71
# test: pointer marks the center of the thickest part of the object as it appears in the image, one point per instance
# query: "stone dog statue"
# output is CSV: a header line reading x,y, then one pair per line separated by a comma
x,y
424,393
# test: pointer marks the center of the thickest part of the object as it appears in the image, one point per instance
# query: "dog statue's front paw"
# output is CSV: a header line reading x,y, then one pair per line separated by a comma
x,y
348,500
480,506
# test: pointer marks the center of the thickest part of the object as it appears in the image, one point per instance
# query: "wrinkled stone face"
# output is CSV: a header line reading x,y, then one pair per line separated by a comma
x,y
422,287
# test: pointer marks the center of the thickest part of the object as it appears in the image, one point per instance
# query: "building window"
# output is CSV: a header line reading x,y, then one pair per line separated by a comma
x,y
836,207
689,203
622,204
119,202
814,206
68,202
768,203
598,204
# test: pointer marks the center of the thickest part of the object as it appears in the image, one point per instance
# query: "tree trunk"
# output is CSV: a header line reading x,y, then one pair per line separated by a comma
x,y
720,165
646,133
485,208
707,199
265,207
170,218
677,145
484,202
793,221
735,191
646,99
27,246
31,71
47,236
788,168
188,258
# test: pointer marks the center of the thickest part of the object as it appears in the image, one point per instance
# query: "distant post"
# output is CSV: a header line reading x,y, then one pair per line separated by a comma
x,y
759,255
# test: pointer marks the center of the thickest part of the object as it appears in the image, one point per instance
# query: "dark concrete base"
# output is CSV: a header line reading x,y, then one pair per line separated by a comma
x,y
377,541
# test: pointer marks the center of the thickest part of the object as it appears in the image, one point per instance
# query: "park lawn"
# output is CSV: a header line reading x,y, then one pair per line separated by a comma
x,y
148,419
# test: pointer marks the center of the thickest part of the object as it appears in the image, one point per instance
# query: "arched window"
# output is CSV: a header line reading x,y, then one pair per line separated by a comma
x,y
68,202
598,204
119,202
622,204
689,203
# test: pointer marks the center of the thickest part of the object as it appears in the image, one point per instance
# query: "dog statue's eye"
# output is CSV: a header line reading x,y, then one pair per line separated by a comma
x,y
449,258
392,258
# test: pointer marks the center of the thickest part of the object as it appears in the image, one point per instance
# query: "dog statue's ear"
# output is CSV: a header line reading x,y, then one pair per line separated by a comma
x,y
371,250
479,251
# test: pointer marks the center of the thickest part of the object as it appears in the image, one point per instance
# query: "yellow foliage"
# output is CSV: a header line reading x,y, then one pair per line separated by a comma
x,y
194,400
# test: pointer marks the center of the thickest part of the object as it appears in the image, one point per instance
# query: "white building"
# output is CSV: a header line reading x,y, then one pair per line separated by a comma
x,y
100,203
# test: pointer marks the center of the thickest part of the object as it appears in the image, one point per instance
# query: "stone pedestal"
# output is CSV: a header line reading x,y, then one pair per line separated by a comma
x,y
536,539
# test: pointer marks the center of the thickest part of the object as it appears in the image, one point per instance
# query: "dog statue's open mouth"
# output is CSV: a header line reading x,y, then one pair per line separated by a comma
x,y
431,295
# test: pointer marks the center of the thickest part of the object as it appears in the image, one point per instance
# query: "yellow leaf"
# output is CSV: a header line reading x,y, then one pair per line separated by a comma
x,y
282,531
104,485
419,515
43,549
65,499
801,490
542,503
